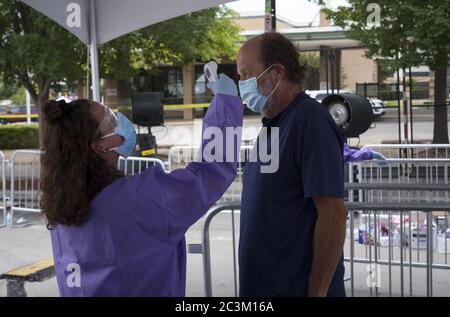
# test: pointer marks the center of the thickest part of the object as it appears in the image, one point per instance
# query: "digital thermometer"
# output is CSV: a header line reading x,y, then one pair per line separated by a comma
x,y
210,70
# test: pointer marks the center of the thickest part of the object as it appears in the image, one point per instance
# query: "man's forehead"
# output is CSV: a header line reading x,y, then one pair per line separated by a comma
x,y
249,55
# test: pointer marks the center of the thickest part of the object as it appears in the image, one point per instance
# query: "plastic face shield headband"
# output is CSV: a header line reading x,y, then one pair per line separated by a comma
x,y
108,124
119,124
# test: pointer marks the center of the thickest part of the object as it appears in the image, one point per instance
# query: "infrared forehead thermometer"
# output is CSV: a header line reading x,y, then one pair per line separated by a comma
x,y
210,70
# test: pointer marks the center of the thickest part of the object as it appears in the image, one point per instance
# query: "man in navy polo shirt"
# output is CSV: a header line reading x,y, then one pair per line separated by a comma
x,y
293,219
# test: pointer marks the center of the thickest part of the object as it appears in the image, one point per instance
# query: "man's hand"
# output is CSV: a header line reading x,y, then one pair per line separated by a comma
x,y
329,238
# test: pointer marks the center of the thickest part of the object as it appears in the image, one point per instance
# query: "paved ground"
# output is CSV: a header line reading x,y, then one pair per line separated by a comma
x,y
31,241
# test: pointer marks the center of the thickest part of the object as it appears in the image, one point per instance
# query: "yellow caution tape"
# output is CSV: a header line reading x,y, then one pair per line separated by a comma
x,y
166,107
186,106
17,116
148,152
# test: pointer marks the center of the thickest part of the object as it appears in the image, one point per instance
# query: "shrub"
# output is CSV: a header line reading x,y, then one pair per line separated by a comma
x,y
14,137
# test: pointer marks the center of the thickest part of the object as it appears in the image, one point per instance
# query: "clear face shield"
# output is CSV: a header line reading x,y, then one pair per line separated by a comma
x,y
118,125
108,125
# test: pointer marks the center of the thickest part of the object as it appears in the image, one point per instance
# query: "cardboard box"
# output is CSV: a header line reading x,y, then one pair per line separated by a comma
x,y
419,238
441,240
395,240
368,237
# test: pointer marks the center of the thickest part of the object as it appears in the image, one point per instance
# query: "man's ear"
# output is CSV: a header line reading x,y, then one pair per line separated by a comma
x,y
97,148
281,72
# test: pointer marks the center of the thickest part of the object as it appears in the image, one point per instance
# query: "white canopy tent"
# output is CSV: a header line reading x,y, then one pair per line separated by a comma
x,y
96,22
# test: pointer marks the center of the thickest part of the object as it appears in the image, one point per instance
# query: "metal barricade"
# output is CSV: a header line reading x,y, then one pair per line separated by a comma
x,y
3,195
407,171
181,156
391,249
206,245
134,165
412,151
25,172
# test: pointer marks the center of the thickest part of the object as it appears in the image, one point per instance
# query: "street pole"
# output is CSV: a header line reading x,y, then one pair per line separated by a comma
x,y
95,78
270,20
411,105
405,108
398,110
28,103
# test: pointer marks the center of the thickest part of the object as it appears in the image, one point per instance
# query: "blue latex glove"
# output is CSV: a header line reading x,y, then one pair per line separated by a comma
x,y
224,85
378,156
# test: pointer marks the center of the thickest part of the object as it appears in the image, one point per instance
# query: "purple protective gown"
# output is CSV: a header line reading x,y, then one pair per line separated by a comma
x,y
133,243
352,155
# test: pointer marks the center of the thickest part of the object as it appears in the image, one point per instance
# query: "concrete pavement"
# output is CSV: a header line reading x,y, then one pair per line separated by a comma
x,y
31,242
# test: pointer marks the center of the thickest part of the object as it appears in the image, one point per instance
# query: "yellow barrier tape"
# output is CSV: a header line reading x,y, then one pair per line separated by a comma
x,y
148,152
186,106
166,107
17,116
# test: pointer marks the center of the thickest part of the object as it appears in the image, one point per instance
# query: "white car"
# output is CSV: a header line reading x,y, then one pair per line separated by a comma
x,y
377,104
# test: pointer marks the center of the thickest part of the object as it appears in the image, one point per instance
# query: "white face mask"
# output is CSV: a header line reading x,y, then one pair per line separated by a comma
x,y
250,93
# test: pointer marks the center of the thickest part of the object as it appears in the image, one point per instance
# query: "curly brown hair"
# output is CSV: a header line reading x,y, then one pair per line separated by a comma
x,y
72,174
277,49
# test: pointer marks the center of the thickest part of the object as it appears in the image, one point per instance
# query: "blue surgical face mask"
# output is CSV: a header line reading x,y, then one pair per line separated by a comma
x,y
126,130
250,93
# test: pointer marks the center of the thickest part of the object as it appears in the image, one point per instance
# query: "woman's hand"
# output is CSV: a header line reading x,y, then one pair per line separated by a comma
x,y
224,85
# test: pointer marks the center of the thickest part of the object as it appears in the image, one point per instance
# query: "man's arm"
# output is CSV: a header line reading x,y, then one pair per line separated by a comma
x,y
329,238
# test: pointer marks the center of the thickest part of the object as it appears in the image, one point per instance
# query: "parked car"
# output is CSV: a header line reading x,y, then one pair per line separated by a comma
x,y
377,104
4,110
16,110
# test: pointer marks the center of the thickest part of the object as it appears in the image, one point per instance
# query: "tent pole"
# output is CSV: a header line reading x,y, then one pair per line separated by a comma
x,y
94,53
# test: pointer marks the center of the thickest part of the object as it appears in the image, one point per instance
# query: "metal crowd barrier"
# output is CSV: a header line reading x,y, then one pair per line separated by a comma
x,y
407,171
386,261
180,156
135,165
3,188
391,249
401,243
25,173
412,151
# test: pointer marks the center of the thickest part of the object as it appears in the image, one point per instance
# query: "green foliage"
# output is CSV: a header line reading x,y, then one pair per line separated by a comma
x,y
199,36
417,30
5,90
18,98
35,52
312,62
19,137
408,33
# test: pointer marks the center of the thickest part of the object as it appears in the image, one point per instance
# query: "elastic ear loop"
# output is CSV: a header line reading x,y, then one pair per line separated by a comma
x,y
265,71
275,86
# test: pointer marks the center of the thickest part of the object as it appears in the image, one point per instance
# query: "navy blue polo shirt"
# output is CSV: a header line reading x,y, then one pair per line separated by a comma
x,y
278,214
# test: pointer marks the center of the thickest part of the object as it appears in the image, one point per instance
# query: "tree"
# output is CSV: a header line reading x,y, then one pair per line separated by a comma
x,y
408,33
198,36
5,91
19,97
312,62
36,53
